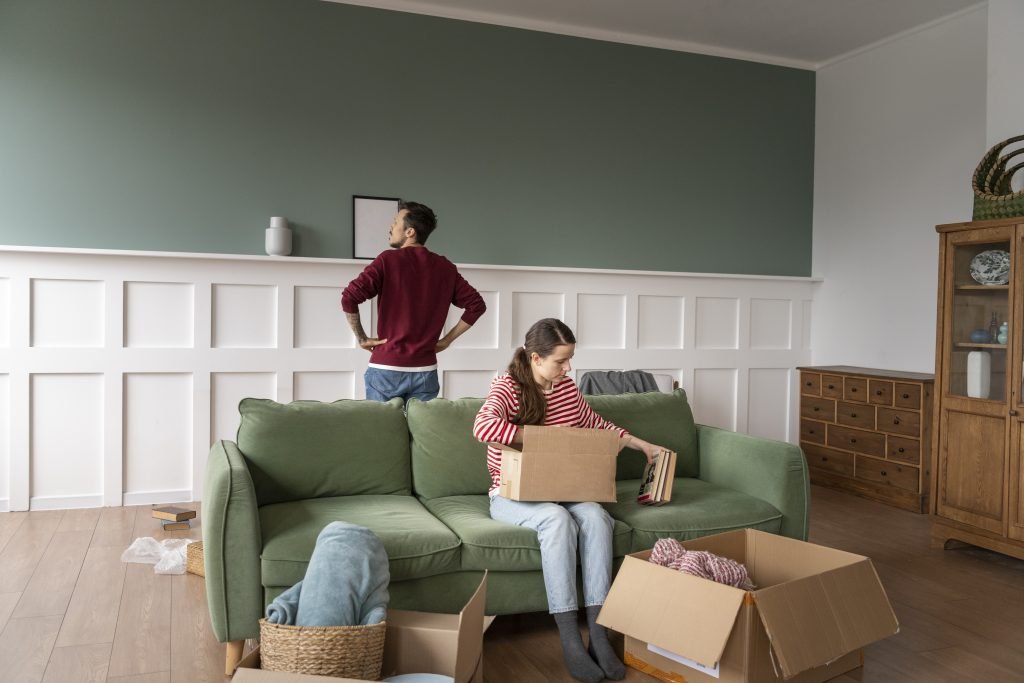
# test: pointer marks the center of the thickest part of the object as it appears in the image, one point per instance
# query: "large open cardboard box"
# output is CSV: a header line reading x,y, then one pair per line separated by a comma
x,y
563,464
813,611
416,642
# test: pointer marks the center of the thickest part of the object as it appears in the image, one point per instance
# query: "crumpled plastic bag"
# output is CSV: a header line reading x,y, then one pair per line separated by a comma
x,y
168,555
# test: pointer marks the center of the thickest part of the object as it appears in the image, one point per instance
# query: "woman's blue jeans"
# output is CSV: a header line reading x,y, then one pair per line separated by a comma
x,y
561,529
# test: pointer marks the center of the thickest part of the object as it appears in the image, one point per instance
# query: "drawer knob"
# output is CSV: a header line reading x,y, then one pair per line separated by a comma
x,y
853,414
895,420
810,431
808,384
883,473
831,386
900,450
878,393
853,390
816,408
1013,412
824,459
906,395
853,440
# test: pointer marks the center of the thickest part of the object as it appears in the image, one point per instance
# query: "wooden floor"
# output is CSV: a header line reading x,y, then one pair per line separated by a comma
x,y
71,611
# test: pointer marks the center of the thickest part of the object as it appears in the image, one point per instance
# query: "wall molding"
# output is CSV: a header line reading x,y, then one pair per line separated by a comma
x,y
119,369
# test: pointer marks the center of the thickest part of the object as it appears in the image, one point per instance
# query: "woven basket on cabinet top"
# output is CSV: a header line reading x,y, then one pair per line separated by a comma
x,y
993,193
343,651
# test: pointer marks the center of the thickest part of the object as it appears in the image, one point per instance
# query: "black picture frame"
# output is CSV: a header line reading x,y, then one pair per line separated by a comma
x,y
371,217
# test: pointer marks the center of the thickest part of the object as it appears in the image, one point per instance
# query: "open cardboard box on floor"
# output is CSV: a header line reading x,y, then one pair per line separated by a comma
x,y
416,642
564,464
813,611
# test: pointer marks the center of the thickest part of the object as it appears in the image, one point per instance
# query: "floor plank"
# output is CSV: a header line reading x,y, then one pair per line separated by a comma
x,y
9,523
79,664
84,520
25,647
92,612
8,601
196,655
158,677
22,553
142,638
114,528
49,590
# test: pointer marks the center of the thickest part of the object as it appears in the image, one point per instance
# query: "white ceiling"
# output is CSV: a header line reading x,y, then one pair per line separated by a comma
x,y
801,33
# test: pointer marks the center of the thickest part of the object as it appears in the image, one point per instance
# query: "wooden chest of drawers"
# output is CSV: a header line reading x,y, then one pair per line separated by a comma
x,y
868,432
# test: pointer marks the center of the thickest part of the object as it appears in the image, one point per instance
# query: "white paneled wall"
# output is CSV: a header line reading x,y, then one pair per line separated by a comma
x,y
119,369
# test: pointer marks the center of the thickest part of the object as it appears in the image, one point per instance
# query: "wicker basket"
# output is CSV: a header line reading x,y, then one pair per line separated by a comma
x,y
194,559
343,651
993,195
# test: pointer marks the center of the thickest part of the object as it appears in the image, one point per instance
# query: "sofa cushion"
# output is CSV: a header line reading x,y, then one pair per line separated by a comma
x,y
446,459
662,419
488,544
308,449
697,509
417,543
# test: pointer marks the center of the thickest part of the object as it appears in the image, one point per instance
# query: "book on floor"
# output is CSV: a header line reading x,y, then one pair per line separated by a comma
x,y
173,514
176,526
656,485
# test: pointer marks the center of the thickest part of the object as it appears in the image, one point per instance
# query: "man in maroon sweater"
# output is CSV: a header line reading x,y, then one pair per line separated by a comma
x,y
414,289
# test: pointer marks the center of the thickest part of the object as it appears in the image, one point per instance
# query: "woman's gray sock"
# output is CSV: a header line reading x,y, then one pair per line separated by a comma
x,y
600,649
580,665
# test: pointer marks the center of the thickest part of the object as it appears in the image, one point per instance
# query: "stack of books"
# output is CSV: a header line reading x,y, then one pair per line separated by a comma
x,y
174,518
656,486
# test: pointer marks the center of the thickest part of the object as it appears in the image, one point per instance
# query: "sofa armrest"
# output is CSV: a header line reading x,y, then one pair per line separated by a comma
x,y
231,545
774,471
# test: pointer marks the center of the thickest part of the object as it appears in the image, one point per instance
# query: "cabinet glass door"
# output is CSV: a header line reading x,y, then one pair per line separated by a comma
x,y
980,320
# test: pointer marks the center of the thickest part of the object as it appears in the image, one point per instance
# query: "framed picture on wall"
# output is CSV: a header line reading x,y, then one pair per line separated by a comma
x,y
371,223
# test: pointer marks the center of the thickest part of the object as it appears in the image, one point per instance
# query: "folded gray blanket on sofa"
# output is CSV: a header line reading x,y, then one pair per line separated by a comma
x,y
615,382
346,582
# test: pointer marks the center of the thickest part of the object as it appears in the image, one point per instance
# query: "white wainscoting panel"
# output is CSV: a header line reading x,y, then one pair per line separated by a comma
x,y
67,437
158,434
660,322
228,389
244,317
5,312
121,368
323,386
313,329
159,315
771,324
805,328
5,442
528,308
467,383
717,323
67,314
484,334
766,414
714,397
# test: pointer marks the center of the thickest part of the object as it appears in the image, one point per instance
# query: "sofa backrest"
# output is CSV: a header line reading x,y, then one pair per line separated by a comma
x,y
448,461
308,449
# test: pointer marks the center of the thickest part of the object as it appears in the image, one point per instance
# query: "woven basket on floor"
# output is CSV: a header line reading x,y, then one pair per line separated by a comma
x,y
344,651
993,193
194,559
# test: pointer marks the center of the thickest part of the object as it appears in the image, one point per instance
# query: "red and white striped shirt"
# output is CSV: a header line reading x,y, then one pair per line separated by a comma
x,y
566,407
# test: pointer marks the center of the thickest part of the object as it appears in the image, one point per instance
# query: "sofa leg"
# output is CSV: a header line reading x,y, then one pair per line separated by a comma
x,y
233,655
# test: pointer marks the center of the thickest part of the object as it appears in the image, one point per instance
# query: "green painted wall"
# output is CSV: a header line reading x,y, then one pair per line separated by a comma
x,y
183,125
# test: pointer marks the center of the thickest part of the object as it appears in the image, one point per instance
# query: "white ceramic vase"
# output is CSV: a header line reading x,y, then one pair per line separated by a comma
x,y
979,374
279,237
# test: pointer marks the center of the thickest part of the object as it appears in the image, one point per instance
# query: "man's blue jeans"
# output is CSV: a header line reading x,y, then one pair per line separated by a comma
x,y
384,385
561,528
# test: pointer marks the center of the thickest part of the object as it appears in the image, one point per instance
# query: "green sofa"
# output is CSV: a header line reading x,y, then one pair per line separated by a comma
x,y
420,483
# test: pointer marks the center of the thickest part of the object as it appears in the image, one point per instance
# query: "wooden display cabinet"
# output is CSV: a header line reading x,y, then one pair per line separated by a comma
x,y
976,457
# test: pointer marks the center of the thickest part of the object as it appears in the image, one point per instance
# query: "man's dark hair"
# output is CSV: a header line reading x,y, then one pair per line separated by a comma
x,y
420,218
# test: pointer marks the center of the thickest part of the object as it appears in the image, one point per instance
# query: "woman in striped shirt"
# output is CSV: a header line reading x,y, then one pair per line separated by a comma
x,y
537,390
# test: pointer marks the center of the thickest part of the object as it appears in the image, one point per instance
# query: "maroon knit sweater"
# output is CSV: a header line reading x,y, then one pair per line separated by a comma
x,y
414,289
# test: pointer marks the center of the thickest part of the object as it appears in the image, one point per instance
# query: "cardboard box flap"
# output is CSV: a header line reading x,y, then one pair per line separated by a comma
x,y
817,619
569,439
684,614
444,644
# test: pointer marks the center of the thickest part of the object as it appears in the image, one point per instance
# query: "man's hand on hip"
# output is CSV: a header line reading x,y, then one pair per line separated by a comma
x,y
371,342
441,345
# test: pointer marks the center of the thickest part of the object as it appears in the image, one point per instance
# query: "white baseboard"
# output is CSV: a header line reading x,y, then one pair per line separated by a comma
x,y
5,505
155,497
65,502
